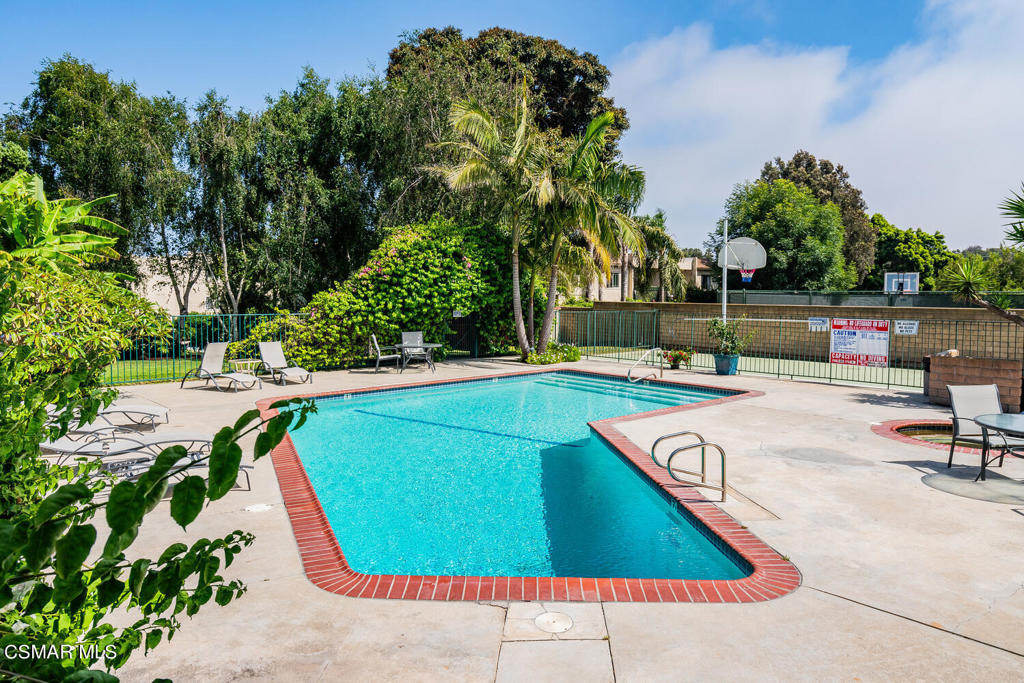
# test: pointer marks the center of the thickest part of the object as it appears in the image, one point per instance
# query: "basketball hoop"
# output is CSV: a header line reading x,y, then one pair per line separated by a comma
x,y
746,275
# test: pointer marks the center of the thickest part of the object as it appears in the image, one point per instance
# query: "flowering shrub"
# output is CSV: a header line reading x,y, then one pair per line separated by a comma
x,y
556,353
678,356
417,278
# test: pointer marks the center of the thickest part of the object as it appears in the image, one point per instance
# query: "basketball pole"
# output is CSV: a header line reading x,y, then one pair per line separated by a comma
x,y
725,267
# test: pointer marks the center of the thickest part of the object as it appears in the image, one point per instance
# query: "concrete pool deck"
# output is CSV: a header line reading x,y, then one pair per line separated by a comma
x,y
900,579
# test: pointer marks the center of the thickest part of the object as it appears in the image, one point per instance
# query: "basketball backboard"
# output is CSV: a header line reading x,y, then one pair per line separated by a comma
x,y
902,283
742,253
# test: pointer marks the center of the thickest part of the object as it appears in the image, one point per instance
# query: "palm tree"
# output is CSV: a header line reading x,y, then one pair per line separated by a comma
x,y
663,256
509,165
967,279
586,204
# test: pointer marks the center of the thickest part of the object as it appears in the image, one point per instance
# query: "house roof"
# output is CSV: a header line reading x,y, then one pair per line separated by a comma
x,y
693,263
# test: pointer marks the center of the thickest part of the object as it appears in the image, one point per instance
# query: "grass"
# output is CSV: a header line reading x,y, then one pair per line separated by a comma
x,y
154,370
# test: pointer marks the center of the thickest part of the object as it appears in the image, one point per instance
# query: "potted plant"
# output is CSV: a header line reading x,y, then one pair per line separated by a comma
x,y
675,357
729,344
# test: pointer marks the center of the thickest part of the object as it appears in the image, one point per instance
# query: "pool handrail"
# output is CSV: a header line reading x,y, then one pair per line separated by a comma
x,y
661,366
666,437
703,474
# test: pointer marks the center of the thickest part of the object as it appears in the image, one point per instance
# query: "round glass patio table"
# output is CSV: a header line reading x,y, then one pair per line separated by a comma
x,y
1004,423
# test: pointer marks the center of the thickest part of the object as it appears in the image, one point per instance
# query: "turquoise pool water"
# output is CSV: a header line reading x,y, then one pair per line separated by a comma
x,y
500,477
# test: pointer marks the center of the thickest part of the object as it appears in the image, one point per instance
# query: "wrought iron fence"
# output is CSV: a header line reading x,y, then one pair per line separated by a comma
x,y
785,347
157,360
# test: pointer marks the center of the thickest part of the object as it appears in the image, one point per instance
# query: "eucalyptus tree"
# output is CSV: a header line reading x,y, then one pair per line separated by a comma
x,y
507,163
318,217
589,200
90,136
223,151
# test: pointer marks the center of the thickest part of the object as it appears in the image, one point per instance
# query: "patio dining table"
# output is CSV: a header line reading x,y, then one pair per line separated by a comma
x,y
1004,423
405,350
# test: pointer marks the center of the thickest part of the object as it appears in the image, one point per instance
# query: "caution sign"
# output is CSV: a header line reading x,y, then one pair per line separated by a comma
x,y
860,342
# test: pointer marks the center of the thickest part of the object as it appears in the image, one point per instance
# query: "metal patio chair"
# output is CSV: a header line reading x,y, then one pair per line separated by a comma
x,y
412,352
969,401
379,351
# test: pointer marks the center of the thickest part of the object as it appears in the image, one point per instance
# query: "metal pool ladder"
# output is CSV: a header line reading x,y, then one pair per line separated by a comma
x,y
661,366
700,443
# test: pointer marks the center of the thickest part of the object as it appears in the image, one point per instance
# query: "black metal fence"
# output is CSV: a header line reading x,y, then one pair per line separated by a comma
x,y
161,360
786,347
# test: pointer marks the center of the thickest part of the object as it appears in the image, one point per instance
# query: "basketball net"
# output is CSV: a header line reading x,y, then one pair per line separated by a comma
x,y
746,275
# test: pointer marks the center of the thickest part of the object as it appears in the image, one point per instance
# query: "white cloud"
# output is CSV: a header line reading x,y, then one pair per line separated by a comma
x,y
931,134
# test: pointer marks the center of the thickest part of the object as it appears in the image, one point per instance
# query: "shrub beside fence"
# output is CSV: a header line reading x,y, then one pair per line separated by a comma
x,y
784,347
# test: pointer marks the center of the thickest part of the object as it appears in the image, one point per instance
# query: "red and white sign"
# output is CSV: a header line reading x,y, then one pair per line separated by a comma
x,y
860,342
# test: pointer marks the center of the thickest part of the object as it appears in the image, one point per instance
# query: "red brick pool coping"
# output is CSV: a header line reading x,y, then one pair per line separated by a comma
x,y
324,562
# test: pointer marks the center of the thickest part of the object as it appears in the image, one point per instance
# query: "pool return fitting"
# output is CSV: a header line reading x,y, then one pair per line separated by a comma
x,y
703,445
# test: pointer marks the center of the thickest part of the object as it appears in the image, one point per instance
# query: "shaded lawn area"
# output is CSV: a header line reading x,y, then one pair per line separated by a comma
x,y
153,370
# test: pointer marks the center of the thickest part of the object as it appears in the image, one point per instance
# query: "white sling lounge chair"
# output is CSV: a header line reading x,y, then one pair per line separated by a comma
x,y
212,366
279,367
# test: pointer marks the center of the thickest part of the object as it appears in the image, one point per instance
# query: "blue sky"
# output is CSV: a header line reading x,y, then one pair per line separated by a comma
x,y
249,50
915,98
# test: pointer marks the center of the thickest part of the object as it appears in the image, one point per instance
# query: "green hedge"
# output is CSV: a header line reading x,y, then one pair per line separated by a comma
x,y
415,280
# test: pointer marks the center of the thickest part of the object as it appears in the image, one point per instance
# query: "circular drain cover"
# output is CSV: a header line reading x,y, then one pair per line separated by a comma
x,y
553,622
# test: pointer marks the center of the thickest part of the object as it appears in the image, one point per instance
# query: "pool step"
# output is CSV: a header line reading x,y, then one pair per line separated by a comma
x,y
636,390
671,393
624,393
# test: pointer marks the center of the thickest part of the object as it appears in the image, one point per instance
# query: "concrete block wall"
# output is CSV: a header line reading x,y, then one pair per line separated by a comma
x,y
945,370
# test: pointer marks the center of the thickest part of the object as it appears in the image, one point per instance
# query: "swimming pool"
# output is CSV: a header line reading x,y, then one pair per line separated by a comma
x,y
502,477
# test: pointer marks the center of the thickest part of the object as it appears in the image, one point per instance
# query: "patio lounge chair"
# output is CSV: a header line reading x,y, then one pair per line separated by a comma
x,y
137,414
415,352
212,366
379,351
129,456
108,446
968,401
280,370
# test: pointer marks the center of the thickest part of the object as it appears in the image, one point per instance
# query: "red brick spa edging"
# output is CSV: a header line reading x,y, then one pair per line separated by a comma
x,y
773,576
890,430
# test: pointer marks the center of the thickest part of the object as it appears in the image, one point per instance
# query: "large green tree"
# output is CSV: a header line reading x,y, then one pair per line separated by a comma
x,y
803,237
90,136
318,207
432,69
830,182
223,154
911,250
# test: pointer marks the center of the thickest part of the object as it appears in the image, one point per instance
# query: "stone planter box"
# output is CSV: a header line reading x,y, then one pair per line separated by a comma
x,y
949,369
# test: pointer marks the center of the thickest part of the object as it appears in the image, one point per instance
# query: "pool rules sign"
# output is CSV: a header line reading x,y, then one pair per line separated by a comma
x,y
860,342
